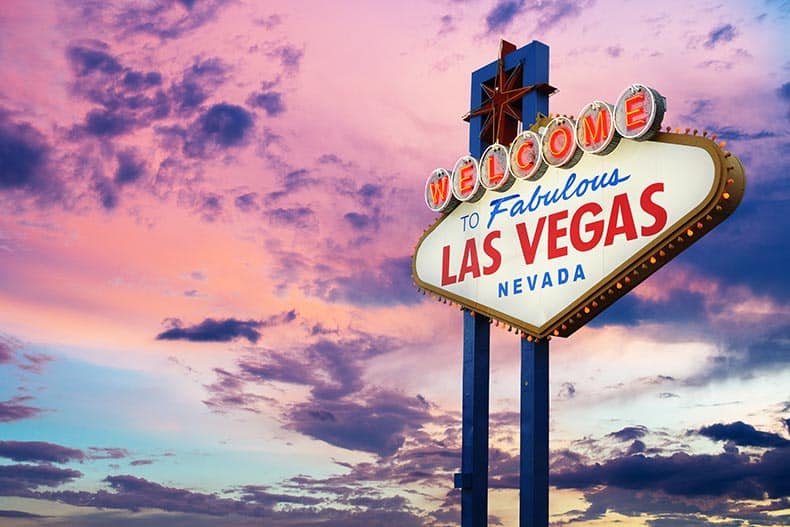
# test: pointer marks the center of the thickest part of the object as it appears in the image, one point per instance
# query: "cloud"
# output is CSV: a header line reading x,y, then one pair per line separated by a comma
x,y
545,14
38,451
133,493
629,433
107,453
223,330
164,19
298,217
13,410
247,202
130,167
211,330
614,51
24,161
7,351
743,434
86,60
21,480
388,283
222,126
502,14
204,76
377,424
270,101
338,362
362,222
728,475
720,34
290,57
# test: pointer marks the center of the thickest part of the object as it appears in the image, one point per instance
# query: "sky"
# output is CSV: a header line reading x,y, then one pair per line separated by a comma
x,y
206,309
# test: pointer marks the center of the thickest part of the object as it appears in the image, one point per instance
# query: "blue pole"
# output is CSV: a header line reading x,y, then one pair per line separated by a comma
x,y
473,479
534,447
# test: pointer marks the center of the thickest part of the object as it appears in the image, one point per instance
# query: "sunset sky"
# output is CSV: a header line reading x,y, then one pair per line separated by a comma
x,y
206,309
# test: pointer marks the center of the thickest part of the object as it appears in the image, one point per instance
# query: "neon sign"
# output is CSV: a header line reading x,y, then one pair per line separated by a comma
x,y
545,233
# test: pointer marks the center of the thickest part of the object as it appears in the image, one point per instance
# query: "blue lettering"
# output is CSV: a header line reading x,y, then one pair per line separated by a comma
x,y
497,209
502,289
574,186
578,274
546,280
562,275
517,286
532,281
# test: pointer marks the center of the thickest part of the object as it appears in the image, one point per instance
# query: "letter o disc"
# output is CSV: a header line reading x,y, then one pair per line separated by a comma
x,y
595,132
559,143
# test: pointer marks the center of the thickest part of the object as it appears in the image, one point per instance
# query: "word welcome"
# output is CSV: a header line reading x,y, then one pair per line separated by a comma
x,y
597,130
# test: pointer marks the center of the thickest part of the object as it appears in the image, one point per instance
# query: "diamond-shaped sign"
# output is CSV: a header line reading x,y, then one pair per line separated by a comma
x,y
547,255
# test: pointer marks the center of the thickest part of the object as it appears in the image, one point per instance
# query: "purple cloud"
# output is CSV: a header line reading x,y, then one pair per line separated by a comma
x,y
247,202
270,101
388,283
130,167
502,13
24,161
629,433
743,434
723,33
21,480
39,451
13,410
7,352
223,330
222,126
728,475
211,330
378,424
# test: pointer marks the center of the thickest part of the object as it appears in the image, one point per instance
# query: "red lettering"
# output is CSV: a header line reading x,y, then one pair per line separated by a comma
x,y
469,262
621,210
658,212
555,233
525,155
556,151
439,190
635,114
494,177
492,252
466,180
529,248
447,278
594,130
594,227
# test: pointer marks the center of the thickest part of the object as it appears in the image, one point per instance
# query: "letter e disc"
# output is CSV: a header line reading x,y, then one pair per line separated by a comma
x,y
526,161
639,112
466,180
495,169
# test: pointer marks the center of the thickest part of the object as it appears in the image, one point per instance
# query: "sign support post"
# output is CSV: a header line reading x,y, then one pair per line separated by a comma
x,y
534,447
575,214
473,479
533,60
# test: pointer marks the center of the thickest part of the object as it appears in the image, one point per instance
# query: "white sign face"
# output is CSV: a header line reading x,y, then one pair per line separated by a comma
x,y
542,249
